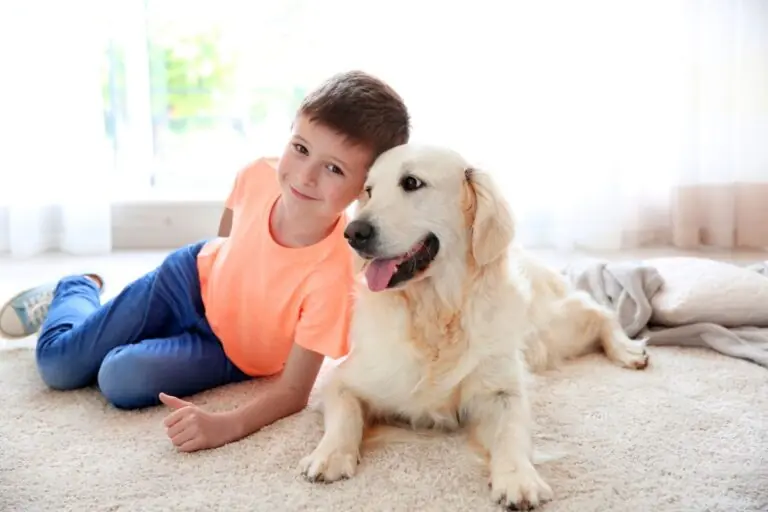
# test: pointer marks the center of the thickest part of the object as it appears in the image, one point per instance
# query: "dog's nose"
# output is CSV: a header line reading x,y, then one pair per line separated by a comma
x,y
359,234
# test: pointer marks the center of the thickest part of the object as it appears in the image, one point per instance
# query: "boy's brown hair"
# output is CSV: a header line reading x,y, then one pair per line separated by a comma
x,y
361,107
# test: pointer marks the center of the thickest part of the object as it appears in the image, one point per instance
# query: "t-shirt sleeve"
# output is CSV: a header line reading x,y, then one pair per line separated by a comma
x,y
251,177
324,323
234,195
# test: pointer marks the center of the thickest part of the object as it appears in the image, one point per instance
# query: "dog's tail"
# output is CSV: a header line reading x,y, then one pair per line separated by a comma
x,y
381,434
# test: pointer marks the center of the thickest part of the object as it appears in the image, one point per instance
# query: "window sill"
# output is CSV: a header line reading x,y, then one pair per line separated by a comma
x,y
164,217
155,223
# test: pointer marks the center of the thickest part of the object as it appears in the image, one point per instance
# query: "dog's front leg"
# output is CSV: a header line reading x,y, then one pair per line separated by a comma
x,y
501,420
337,455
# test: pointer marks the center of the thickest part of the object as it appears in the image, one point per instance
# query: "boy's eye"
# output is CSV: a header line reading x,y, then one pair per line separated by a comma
x,y
335,169
300,148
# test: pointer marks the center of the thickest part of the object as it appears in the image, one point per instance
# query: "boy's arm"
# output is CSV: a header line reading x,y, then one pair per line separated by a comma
x,y
282,396
191,428
225,224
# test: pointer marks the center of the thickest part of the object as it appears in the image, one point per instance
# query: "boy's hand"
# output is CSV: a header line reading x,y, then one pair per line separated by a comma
x,y
190,428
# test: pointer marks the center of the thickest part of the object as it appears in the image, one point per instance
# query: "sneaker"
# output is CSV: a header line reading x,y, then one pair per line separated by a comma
x,y
24,314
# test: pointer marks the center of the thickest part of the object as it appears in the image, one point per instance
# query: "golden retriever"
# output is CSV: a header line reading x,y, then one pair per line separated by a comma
x,y
449,319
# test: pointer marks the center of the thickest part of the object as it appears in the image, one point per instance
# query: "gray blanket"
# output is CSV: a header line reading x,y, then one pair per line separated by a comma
x,y
628,287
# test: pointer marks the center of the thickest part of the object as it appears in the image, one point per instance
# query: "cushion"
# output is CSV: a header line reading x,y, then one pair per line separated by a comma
x,y
705,290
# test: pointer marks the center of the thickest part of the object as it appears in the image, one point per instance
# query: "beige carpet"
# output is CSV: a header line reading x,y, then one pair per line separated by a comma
x,y
689,434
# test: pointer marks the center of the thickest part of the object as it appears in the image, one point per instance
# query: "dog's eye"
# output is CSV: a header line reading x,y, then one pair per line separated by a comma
x,y
368,191
410,183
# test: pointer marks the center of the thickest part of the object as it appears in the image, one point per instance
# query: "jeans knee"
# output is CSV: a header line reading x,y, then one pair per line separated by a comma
x,y
60,377
125,382
62,372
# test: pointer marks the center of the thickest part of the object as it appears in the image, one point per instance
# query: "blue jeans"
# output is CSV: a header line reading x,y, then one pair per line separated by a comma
x,y
153,337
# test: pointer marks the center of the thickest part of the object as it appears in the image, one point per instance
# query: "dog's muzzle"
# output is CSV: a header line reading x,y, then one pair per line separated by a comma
x,y
361,235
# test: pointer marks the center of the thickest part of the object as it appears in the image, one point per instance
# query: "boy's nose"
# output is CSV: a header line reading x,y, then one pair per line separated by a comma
x,y
308,174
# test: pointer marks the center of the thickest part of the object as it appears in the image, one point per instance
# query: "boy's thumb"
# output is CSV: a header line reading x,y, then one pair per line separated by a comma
x,y
173,402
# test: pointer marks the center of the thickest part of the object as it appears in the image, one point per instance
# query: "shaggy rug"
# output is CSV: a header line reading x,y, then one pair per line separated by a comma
x,y
688,434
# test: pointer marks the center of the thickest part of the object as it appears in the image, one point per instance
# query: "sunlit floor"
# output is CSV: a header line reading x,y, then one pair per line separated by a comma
x,y
687,432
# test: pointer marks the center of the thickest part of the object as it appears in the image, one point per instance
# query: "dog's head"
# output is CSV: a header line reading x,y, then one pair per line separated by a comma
x,y
424,210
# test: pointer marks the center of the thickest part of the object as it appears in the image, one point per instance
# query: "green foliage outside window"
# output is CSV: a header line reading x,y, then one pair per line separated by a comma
x,y
194,84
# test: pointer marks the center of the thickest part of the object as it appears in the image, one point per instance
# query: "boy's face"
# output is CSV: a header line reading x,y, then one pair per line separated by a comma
x,y
321,173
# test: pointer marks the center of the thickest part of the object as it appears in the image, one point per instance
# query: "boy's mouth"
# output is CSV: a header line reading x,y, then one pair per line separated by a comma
x,y
301,195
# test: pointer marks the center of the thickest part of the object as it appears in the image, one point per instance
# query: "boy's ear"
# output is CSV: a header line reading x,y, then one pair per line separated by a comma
x,y
492,223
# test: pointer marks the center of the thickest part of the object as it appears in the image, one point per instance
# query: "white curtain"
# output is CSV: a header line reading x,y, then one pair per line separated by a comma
x,y
54,159
608,123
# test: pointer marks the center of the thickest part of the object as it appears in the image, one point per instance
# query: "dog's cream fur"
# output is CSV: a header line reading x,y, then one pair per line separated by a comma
x,y
451,347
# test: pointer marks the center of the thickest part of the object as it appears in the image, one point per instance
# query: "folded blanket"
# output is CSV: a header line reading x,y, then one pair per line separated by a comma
x,y
628,287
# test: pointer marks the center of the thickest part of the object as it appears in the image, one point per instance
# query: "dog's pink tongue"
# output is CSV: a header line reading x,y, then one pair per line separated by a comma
x,y
379,272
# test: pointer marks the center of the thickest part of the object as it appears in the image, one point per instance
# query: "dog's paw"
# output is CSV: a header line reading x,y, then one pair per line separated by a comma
x,y
520,490
329,466
631,354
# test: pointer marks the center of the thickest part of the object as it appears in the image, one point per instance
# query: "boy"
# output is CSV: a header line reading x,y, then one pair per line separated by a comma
x,y
271,296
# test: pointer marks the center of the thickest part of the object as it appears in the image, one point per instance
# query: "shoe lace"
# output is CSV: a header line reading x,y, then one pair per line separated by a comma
x,y
36,307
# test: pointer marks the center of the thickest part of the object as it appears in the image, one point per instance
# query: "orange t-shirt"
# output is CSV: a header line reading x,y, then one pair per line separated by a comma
x,y
261,297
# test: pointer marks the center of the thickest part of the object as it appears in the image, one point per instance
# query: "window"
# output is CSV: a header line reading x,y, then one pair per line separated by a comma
x,y
194,90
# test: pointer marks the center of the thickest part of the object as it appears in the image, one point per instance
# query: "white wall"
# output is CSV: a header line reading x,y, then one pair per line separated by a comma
x,y
163,224
4,235
148,225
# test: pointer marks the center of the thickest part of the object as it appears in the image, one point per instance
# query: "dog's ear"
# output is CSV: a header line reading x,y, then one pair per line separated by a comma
x,y
492,224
